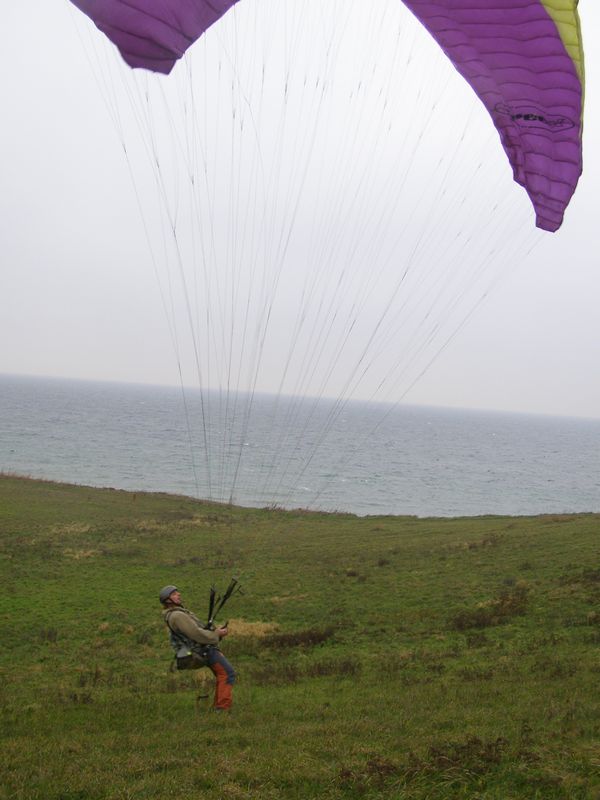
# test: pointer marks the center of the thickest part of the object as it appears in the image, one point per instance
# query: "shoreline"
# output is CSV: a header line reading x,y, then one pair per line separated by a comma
x,y
157,494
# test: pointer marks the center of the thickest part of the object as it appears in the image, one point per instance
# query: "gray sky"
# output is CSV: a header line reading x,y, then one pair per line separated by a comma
x,y
328,196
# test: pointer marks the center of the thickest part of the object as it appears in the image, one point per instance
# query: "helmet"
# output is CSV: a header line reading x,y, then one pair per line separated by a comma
x,y
166,592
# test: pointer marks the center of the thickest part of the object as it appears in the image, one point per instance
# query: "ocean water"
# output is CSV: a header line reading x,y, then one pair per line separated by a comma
x,y
267,451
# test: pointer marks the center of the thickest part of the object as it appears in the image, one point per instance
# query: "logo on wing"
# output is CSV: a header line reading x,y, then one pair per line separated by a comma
x,y
526,116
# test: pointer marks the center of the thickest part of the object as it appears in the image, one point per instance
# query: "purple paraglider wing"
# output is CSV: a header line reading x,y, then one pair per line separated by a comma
x,y
524,59
153,34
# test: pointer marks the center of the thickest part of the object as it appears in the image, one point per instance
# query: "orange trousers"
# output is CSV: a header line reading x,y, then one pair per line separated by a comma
x,y
225,677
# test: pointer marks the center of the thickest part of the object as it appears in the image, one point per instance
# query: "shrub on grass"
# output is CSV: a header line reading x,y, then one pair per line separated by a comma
x,y
48,635
477,640
90,677
306,638
552,667
76,698
476,674
276,675
473,756
145,637
375,773
286,673
508,604
341,667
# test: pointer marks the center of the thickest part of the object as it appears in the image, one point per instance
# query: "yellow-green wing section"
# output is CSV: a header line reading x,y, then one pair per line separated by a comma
x,y
565,15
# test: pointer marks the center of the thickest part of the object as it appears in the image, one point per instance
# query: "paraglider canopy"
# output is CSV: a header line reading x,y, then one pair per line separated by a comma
x,y
153,34
523,58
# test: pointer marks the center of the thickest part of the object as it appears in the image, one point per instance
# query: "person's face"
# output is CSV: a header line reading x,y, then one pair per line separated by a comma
x,y
175,597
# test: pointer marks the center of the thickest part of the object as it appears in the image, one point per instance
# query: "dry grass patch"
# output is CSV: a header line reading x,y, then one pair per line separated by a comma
x,y
77,555
286,598
72,529
148,525
252,630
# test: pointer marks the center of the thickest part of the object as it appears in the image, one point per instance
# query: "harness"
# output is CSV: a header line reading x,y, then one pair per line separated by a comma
x,y
188,653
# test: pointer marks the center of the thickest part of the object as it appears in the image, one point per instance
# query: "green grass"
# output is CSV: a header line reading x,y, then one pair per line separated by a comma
x,y
411,658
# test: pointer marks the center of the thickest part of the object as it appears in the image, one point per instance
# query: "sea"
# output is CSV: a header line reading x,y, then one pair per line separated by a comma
x,y
265,451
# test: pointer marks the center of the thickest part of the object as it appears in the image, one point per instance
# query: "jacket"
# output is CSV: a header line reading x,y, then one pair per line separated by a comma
x,y
182,623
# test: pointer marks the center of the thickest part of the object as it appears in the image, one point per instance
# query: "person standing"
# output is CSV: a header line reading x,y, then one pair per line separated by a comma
x,y
196,646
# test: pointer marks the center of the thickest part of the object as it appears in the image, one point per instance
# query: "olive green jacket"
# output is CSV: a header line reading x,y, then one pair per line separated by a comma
x,y
182,621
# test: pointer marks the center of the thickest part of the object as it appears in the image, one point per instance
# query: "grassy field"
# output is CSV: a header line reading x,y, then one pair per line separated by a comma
x,y
378,657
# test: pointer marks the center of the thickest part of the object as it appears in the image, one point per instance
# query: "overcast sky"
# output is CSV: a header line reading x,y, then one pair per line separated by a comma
x,y
80,296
